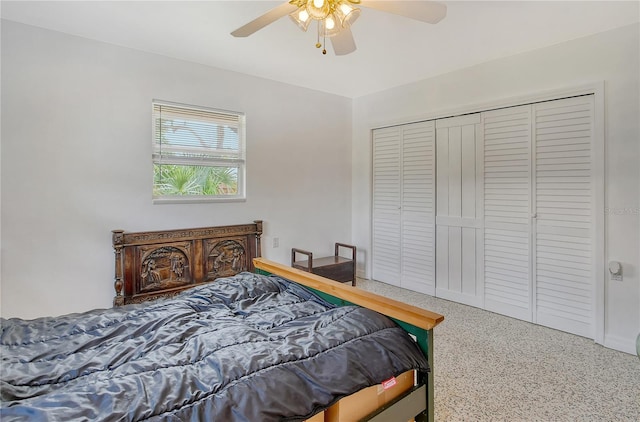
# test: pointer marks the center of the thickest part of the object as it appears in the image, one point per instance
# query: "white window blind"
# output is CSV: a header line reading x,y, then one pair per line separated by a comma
x,y
198,153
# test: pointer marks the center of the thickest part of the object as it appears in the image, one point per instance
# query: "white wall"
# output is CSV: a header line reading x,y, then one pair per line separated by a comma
x,y
0,171
76,163
611,57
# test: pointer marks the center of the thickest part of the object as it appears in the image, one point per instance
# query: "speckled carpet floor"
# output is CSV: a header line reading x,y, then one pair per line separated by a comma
x,y
489,367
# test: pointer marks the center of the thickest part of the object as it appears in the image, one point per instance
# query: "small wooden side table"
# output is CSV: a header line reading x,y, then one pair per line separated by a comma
x,y
334,267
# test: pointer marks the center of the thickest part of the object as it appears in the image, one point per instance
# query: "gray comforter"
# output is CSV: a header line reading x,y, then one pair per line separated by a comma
x,y
245,348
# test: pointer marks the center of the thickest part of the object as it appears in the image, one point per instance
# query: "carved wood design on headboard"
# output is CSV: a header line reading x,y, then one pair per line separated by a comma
x,y
153,265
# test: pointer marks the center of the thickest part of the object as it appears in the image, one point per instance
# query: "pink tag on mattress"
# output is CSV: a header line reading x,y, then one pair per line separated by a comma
x,y
391,382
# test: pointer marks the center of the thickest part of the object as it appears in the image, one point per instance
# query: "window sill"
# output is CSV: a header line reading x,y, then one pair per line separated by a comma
x,y
196,200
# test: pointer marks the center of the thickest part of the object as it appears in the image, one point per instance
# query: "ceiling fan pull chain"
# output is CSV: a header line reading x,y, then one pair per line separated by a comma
x,y
324,42
322,32
318,45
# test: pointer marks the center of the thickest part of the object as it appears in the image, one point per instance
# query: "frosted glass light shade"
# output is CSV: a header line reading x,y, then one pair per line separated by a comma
x,y
347,14
301,18
318,9
330,26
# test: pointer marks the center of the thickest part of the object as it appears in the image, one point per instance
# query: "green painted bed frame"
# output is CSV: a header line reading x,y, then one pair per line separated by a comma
x,y
418,402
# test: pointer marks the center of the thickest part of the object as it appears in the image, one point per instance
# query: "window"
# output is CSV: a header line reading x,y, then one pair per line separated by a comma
x,y
198,154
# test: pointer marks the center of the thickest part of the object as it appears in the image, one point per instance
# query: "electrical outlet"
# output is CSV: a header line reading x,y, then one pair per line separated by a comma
x,y
276,242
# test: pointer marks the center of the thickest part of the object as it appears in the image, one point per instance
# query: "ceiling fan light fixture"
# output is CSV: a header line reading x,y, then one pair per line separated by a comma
x,y
335,17
301,18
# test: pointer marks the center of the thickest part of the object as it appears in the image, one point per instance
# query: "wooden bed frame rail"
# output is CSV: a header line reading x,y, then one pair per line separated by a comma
x,y
416,321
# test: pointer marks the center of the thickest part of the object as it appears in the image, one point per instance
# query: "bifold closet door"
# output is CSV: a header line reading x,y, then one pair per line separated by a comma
x,y
459,235
514,217
387,196
507,212
418,207
403,250
563,202
538,210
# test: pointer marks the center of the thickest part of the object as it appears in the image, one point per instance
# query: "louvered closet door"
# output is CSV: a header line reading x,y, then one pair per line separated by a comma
x,y
459,235
564,275
507,212
418,207
387,182
403,247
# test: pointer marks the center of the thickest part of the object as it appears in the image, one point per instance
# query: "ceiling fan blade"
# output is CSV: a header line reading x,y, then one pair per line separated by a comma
x,y
264,20
424,11
343,42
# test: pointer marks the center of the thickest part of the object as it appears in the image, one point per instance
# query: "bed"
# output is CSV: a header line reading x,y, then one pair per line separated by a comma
x,y
203,328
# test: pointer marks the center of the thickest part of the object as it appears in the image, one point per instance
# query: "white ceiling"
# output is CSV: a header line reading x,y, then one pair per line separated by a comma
x,y
392,50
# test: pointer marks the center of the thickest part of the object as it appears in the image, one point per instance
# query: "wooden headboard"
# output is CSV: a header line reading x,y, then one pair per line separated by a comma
x,y
157,264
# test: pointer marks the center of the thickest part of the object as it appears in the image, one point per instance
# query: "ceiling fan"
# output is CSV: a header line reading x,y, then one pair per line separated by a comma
x,y
335,17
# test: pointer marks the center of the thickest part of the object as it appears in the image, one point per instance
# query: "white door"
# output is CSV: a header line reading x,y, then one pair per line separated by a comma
x,y
538,213
386,233
403,246
507,212
563,202
418,207
459,234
